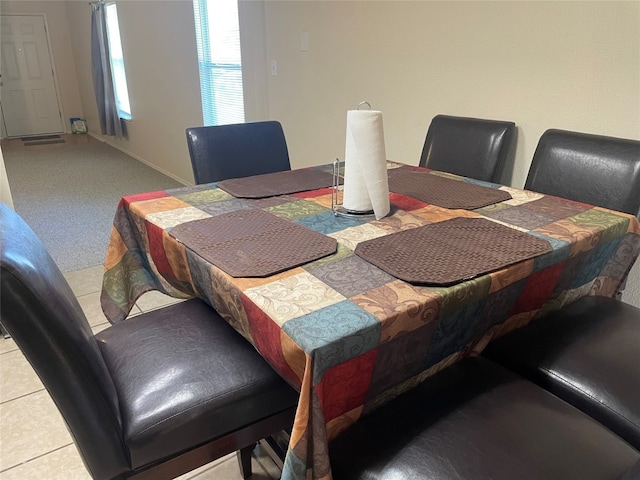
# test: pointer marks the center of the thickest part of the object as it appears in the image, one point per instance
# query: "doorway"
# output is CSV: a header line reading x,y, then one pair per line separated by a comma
x,y
28,93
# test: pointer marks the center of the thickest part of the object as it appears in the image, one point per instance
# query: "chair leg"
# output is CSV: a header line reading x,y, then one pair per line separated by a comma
x,y
244,460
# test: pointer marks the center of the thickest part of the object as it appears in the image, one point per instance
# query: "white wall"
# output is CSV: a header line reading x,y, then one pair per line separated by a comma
x,y
5,190
572,65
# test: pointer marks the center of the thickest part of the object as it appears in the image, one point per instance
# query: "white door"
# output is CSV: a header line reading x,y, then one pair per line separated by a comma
x,y
29,97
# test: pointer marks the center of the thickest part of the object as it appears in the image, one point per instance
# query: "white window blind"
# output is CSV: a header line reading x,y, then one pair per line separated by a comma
x,y
117,61
219,61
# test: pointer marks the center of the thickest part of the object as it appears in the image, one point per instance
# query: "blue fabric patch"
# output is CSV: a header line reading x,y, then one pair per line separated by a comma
x,y
328,222
334,334
597,260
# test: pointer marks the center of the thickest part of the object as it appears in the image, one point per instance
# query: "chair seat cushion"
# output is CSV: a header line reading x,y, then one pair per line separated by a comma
x,y
587,353
476,419
184,377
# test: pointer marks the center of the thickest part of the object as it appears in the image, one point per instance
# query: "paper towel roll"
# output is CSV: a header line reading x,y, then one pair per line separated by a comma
x,y
366,186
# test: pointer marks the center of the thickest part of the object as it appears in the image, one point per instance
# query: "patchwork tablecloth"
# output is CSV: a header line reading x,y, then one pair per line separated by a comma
x,y
348,335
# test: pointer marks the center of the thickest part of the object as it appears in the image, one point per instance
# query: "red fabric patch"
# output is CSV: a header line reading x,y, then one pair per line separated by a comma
x,y
156,249
538,289
266,337
314,193
139,197
406,203
344,387
568,200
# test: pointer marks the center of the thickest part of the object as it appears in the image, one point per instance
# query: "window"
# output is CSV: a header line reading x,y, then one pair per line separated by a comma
x,y
117,61
219,61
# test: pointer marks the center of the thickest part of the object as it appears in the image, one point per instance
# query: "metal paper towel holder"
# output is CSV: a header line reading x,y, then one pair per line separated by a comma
x,y
337,189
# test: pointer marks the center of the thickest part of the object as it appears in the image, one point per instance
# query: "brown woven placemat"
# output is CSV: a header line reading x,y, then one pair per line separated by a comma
x,y
279,183
253,243
449,252
441,191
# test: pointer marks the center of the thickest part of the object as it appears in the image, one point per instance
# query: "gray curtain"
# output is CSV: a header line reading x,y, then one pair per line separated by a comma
x,y
110,121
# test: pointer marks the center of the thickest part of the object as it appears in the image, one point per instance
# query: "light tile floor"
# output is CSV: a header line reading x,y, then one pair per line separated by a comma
x,y
34,442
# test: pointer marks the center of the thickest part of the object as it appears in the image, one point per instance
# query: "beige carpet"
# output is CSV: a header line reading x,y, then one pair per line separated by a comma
x,y
68,194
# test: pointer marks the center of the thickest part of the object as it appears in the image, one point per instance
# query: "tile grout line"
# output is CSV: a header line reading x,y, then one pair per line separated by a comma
x,y
24,395
35,458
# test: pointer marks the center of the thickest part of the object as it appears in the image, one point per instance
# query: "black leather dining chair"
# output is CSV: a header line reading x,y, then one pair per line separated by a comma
x,y
152,397
238,150
477,420
594,169
471,147
587,352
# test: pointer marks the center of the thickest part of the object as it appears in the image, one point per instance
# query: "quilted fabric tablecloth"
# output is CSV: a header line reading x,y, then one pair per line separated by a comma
x,y
348,335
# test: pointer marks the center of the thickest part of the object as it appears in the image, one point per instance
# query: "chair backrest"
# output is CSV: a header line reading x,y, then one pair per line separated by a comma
x,y
472,147
44,318
239,150
594,169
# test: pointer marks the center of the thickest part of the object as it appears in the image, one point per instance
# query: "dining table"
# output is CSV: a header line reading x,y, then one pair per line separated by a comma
x,y
353,310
